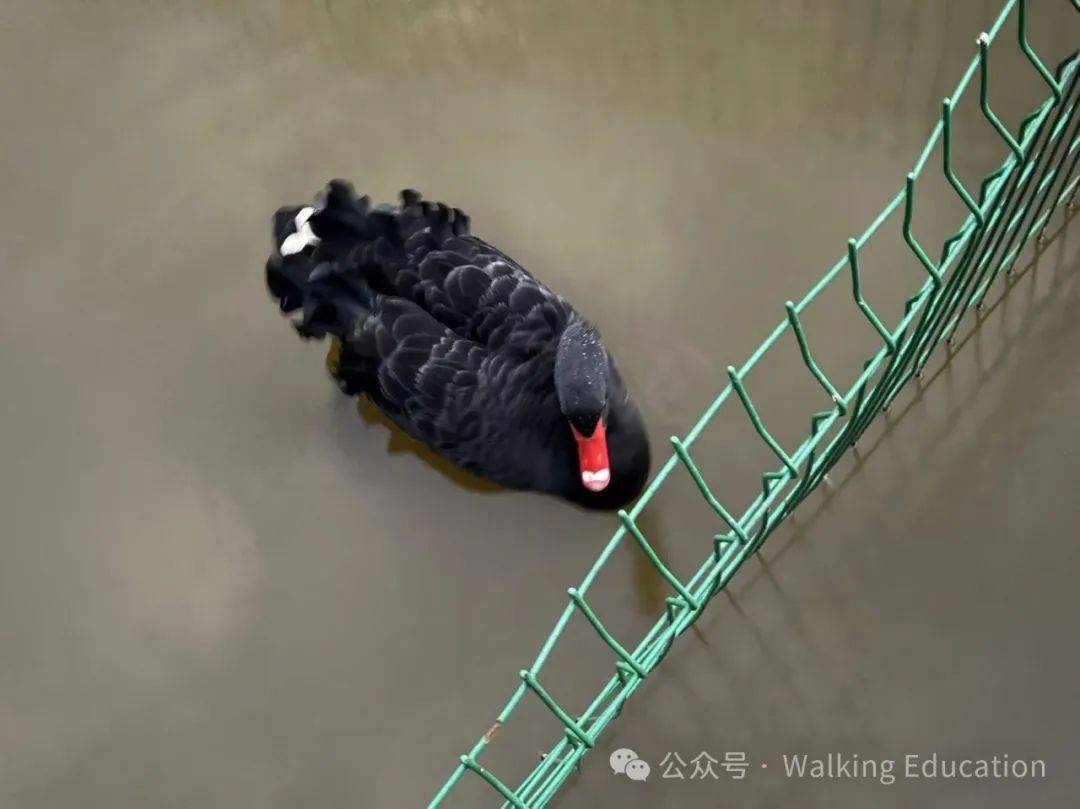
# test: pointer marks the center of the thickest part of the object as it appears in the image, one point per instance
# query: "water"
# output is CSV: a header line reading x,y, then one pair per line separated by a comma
x,y
223,588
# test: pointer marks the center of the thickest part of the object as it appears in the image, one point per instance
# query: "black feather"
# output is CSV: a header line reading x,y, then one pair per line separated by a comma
x,y
454,340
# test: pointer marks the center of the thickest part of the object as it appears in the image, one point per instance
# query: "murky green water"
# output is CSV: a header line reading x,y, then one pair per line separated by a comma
x,y
219,587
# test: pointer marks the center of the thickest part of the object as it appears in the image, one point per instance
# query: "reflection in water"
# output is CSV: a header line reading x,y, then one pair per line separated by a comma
x,y
649,587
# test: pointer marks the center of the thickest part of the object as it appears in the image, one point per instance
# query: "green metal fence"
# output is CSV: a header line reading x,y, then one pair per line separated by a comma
x,y
1012,205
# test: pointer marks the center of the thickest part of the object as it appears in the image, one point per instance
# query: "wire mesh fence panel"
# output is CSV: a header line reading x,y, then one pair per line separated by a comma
x,y
1010,207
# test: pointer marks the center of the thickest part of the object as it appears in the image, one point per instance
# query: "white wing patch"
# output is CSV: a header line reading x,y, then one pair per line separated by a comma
x,y
304,236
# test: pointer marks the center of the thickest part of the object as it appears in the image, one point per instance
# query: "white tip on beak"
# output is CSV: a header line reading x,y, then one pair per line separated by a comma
x,y
596,481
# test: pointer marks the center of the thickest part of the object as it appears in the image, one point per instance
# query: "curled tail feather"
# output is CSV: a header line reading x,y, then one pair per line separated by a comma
x,y
331,258
309,271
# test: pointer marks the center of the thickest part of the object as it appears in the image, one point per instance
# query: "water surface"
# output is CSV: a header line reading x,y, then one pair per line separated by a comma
x,y
222,588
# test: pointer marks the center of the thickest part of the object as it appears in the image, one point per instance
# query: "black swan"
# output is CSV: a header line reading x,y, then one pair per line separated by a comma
x,y
459,345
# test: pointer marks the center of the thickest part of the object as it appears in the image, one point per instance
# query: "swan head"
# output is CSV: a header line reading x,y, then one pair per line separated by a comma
x,y
582,385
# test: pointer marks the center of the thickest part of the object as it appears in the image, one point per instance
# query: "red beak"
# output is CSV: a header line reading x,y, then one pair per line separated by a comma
x,y
592,458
